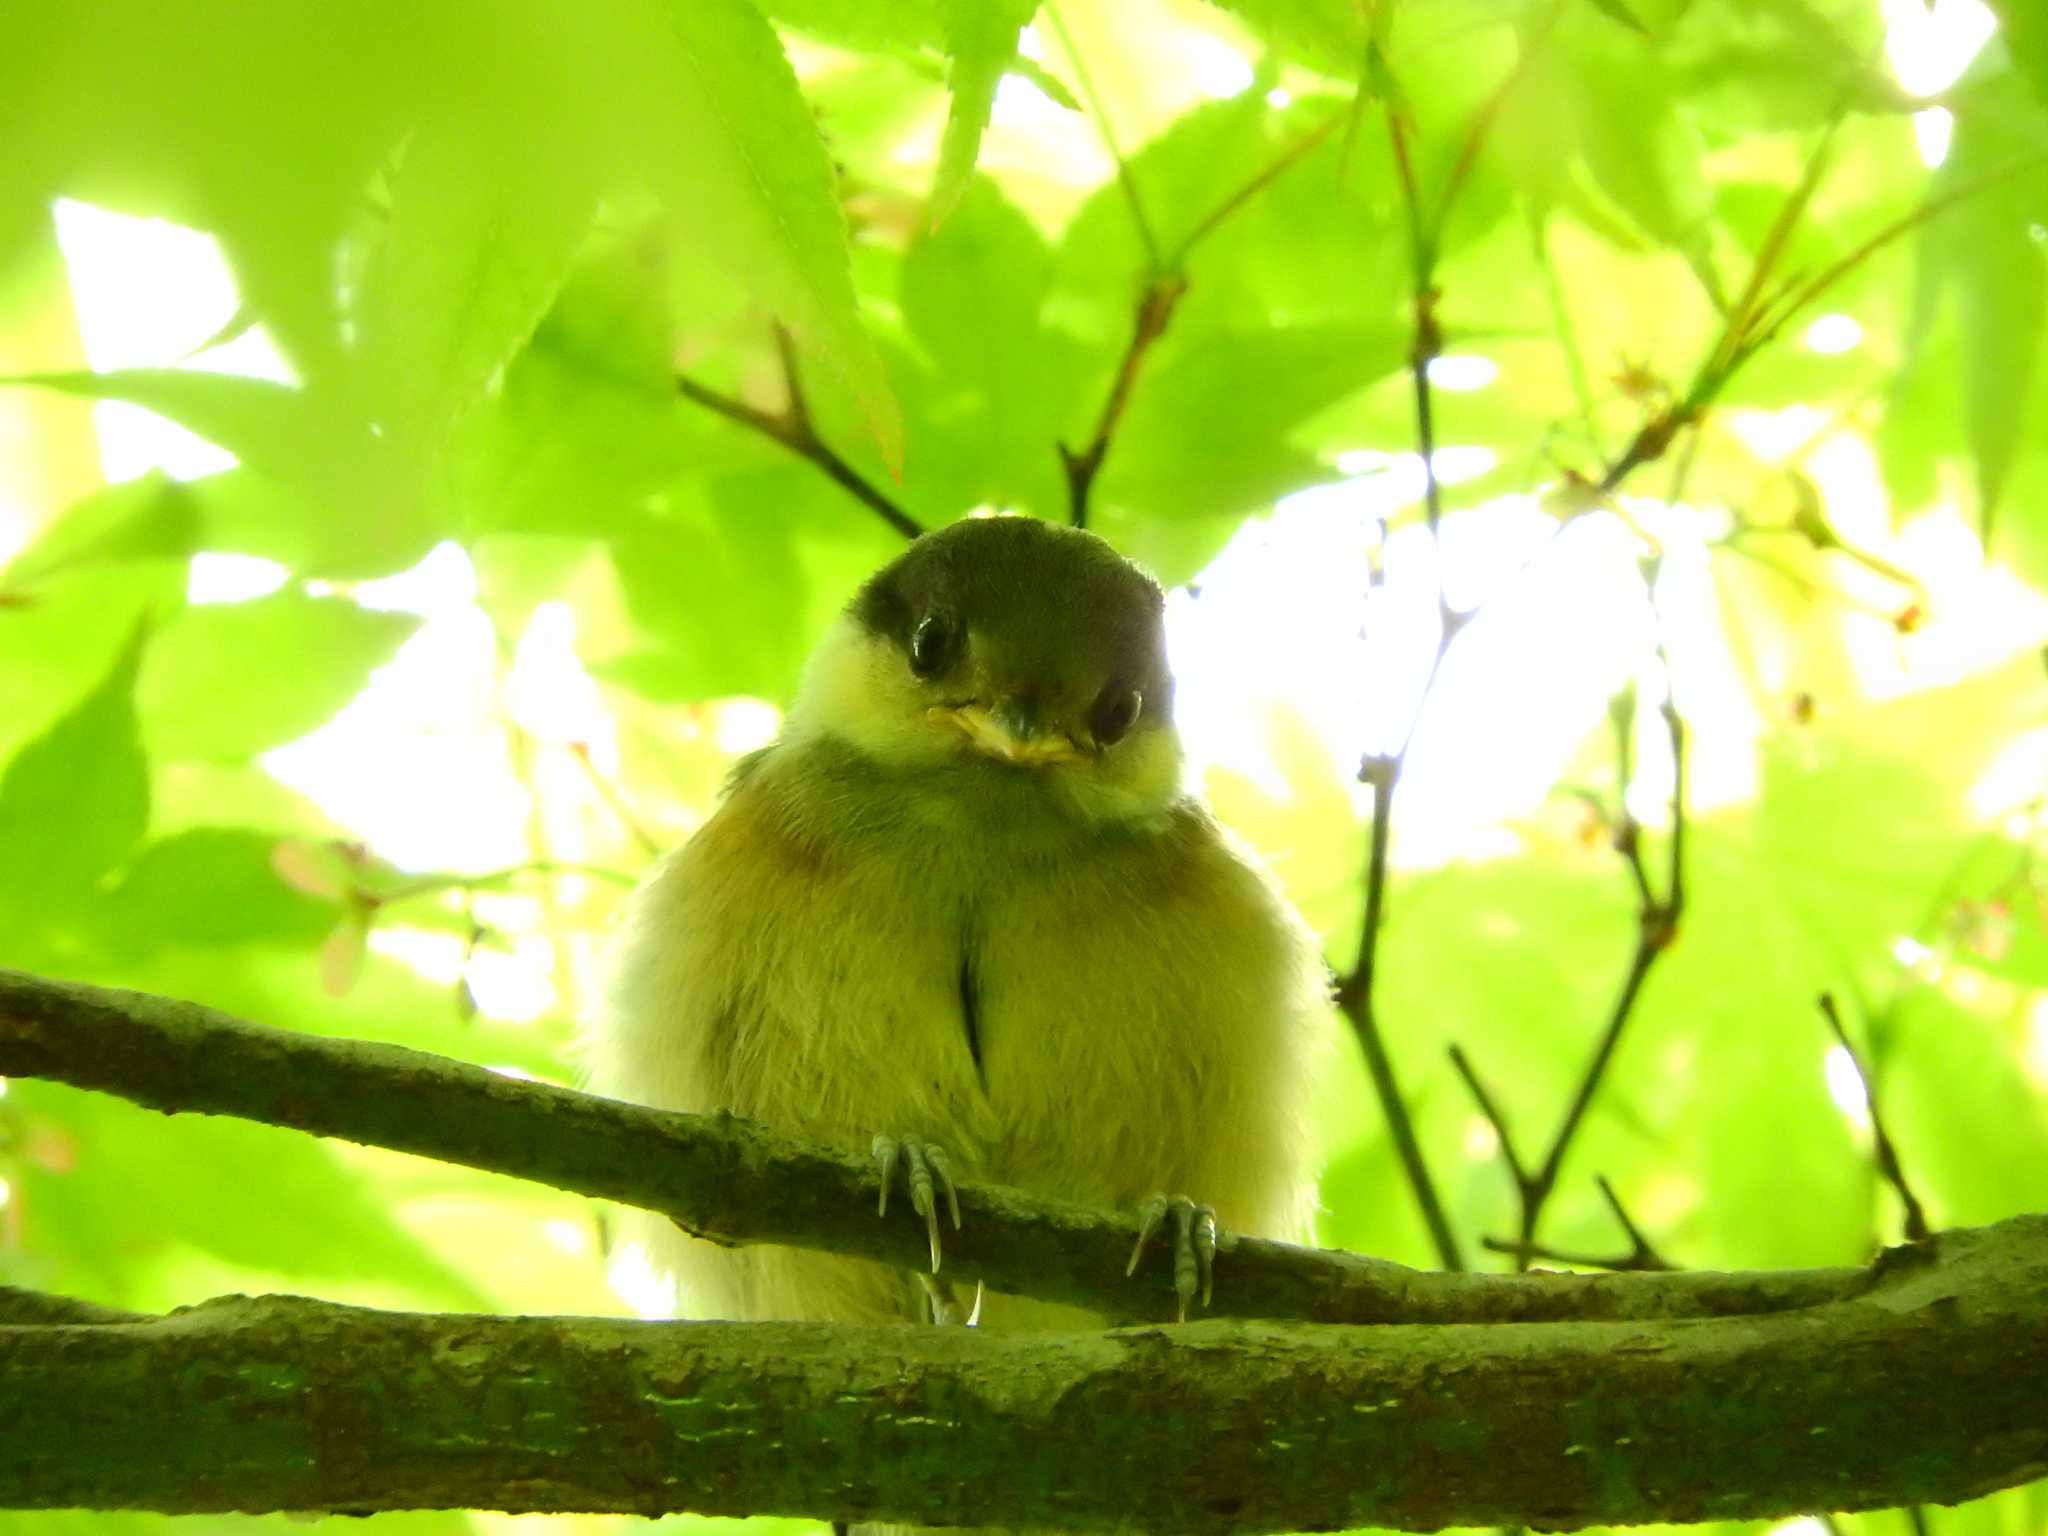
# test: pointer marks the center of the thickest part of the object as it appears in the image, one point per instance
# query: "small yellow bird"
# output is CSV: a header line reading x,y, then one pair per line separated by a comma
x,y
964,912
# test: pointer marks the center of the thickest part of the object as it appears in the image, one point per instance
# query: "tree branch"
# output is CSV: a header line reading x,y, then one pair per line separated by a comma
x,y
1886,1150
734,1181
793,428
1165,285
1156,304
1656,929
1923,1388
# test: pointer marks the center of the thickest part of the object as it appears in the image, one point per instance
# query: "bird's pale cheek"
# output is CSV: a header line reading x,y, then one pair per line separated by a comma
x,y
1135,782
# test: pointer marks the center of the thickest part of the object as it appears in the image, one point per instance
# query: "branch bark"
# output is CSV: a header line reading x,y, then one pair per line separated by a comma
x,y
1923,1389
735,1181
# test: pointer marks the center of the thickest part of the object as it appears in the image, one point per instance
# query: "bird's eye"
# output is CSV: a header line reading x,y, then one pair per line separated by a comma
x,y
932,645
1115,712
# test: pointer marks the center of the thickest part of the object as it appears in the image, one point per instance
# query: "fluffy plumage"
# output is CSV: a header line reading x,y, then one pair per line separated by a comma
x,y
966,896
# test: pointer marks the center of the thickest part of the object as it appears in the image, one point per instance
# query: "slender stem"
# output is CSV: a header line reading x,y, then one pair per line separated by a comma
x,y
1796,298
1494,1117
427,885
1886,1150
793,428
1481,123
1146,238
1287,159
1656,928
1567,334
1646,1256
615,802
1156,304
1155,309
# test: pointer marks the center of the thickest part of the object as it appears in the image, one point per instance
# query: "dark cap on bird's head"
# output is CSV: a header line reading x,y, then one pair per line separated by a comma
x,y
1041,641
1013,642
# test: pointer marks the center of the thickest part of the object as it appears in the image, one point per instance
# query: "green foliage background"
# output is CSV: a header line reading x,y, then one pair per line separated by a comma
x,y
486,236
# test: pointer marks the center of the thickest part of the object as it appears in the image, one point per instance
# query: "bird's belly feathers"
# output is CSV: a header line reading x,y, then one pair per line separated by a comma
x,y
1097,1029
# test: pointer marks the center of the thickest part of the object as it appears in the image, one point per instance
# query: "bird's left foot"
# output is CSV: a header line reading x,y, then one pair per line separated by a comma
x,y
945,1305
929,1174
1194,1245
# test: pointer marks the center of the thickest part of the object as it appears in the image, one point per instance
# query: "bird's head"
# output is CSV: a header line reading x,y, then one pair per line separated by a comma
x,y
1008,646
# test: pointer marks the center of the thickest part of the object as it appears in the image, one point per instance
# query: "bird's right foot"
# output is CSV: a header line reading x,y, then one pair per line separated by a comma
x,y
928,1172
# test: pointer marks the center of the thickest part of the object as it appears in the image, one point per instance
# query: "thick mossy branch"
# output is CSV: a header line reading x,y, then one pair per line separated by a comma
x,y
735,1181
1924,1388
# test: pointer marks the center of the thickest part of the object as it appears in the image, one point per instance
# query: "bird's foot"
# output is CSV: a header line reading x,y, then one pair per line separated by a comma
x,y
928,1173
1194,1245
946,1306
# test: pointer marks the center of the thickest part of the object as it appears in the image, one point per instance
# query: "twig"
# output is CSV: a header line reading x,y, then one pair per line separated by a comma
x,y
1146,238
614,801
1884,1148
793,428
1646,1256
1155,308
1164,288
1656,928
1216,216
1354,998
1754,321
1383,771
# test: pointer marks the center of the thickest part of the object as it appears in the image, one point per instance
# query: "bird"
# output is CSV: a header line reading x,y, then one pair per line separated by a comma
x,y
965,914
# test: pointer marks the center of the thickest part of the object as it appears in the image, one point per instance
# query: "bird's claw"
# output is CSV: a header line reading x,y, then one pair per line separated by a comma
x,y
929,1174
1194,1245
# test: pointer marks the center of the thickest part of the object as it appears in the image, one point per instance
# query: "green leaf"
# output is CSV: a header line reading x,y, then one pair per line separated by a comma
x,y
753,169
152,517
1004,386
982,37
264,424
1205,439
319,489
479,239
2024,26
1985,254
698,581
214,886
906,25
1327,34
293,661
76,799
1970,1167
973,287
767,556
1638,144
267,1199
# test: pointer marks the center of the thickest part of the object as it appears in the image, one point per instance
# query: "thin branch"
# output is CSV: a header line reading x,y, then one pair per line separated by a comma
x,y
1480,126
1885,1149
1162,294
1646,1255
1567,335
1288,158
1517,1170
733,1181
1383,771
1355,1000
1795,298
1146,238
1155,309
614,801
1656,929
1923,1388
793,428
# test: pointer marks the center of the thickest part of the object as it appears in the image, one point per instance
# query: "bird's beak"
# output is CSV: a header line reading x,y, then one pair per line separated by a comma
x,y
989,731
